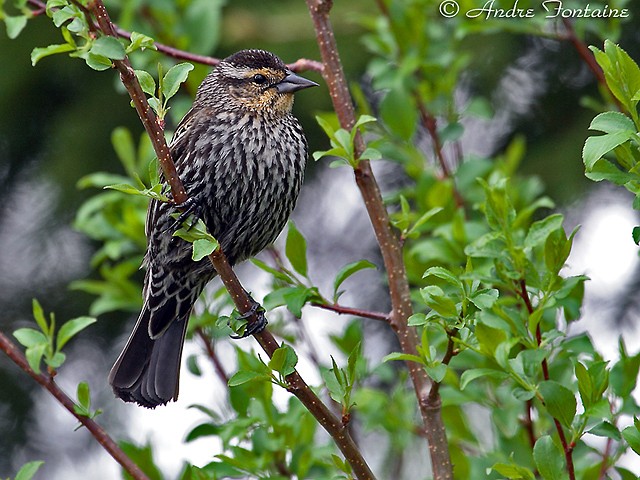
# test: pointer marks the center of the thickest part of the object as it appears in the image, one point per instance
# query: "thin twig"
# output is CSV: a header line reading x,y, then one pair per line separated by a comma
x,y
213,356
300,65
566,447
356,312
101,436
238,294
430,124
588,58
448,355
527,422
388,241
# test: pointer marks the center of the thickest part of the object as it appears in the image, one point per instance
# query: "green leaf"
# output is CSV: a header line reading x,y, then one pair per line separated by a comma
x,y
436,371
559,400
38,315
611,122
173,78
443,274
280,275
296,250
203,247
72,328
417,319
484,299
30,337
140,41
15,25
470,375
513,471
147,82
399,113
283,361
622,75
84,396
109,47
636,235
297,297
585,386
98,62
122,142
404,357
364,119
549,459
370,153
56,360
596,147
631,435
435,298
540,230
34,355
39,53
202,430
348,270
603,169
28,470
326,126
244,376
606,429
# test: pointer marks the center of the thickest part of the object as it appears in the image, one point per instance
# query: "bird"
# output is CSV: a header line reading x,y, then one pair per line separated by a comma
x,y
240,154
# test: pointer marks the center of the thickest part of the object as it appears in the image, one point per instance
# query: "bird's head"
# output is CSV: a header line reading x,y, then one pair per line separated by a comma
x,y
254,80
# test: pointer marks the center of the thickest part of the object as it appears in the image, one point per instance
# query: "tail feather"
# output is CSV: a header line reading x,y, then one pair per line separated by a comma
x,y
148,369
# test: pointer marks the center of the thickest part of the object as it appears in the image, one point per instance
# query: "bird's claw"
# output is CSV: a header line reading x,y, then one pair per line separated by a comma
x,y
189,207
258,325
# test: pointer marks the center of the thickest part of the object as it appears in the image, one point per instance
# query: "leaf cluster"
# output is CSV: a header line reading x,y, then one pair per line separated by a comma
x,y
47,343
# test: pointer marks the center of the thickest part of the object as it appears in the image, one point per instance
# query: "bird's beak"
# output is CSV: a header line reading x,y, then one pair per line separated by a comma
x,y
292,83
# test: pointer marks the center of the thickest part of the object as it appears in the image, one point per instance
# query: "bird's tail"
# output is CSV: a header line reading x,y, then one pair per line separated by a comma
x,y
148,369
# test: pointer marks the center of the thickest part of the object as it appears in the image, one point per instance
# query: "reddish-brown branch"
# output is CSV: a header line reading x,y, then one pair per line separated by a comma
x,y
566,447
12,351
429,122
213,356
388,241
588,58
300,65
446,359
528,423
356,312
238,294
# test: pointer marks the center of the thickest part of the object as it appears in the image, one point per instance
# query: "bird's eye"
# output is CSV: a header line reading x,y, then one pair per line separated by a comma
x,y
259,78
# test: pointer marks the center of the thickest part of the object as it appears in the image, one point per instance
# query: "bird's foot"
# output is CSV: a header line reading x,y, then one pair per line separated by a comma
x,y
189,208
252,327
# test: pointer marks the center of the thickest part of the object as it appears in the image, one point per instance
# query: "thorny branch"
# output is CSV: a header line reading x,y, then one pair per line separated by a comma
x,y
12,351
238,294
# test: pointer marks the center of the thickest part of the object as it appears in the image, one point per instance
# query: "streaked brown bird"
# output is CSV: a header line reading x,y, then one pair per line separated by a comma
x,y
241,156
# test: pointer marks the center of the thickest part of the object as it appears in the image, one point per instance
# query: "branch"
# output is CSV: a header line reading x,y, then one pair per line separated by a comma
x,y
566,447
12,351
211,353
300,65
238,294
448,355
356,312
589,59
388,241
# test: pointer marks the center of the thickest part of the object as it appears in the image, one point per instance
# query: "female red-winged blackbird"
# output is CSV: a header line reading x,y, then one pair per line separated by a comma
x,y
241,155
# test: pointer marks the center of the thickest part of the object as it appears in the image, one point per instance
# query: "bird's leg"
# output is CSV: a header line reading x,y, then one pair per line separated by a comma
x,y
258,325
189,207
